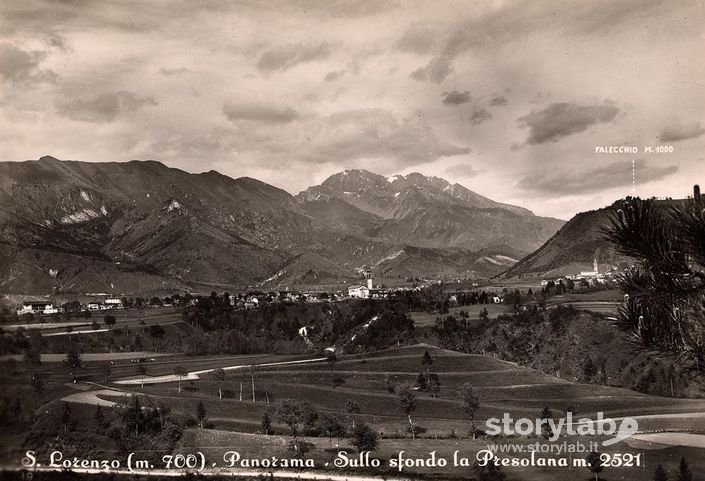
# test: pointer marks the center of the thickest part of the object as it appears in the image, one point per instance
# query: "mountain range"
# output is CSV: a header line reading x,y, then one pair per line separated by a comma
x,y
139,226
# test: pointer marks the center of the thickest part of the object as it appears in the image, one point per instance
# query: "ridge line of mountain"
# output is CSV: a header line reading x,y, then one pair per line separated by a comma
x,y
185,229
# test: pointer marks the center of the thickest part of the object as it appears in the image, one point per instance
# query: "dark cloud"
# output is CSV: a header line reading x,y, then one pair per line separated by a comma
x,y
514,21
419,38
676,132
21,68
498,101
561,119
105,107
168,72
331,8
574,181
359,135
32,16
288,56
455,98
335,75
463,170
479,115
436,71
258,113
54,40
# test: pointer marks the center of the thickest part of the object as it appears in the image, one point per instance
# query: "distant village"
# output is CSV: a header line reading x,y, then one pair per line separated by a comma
x,y
255,299
248,300
584,280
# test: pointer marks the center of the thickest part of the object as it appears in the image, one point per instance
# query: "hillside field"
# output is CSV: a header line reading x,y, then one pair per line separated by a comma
x,y
502,387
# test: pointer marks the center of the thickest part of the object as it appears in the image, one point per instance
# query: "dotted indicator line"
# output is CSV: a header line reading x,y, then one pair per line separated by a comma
x,y
633,176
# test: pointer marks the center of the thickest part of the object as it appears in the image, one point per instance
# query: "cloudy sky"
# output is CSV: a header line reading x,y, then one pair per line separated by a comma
x,y
509,98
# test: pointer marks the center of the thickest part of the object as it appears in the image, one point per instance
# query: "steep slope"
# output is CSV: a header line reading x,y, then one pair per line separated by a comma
x,y
183,229
308,268
575,246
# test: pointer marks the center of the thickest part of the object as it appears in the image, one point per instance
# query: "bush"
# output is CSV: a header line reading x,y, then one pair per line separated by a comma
x,y
364,438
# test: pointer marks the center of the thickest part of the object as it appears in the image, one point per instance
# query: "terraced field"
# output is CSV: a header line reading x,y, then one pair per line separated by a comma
x,y
502,387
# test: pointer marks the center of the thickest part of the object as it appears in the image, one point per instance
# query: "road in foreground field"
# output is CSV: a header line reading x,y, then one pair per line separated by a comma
x,y
194,375
91,397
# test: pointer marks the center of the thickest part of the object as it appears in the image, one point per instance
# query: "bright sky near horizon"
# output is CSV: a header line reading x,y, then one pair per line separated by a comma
x,y
508,98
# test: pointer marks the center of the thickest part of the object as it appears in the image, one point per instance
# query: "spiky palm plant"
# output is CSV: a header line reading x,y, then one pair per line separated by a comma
x,y
665,287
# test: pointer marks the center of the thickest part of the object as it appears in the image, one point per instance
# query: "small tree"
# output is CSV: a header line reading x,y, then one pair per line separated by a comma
x,y
352,407
109,320
309,418
37,384
332,359
407,401
33,356
490,472
594,463
471,403
290,412
589,369
546,428
99,416
252,379
142,371
435,385
427,362
422,382
364,438
219,376
156,332
200,413
106,370
66,416
684,473
73,361
333,428
134,415
73,358
180,372
266,423
660,473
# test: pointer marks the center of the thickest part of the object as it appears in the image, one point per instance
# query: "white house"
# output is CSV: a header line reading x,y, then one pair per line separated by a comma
x,y
113,303
50,309
37,308
361,292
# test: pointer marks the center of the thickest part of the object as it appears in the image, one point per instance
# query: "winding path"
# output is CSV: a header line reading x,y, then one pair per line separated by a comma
x,y
193,375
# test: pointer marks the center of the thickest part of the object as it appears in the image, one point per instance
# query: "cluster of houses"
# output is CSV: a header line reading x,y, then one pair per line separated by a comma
x,y
44,307
249,300
585,278
368,291
38,308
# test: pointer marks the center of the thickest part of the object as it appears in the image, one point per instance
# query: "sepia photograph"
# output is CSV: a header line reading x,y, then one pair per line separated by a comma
x,y
352,240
